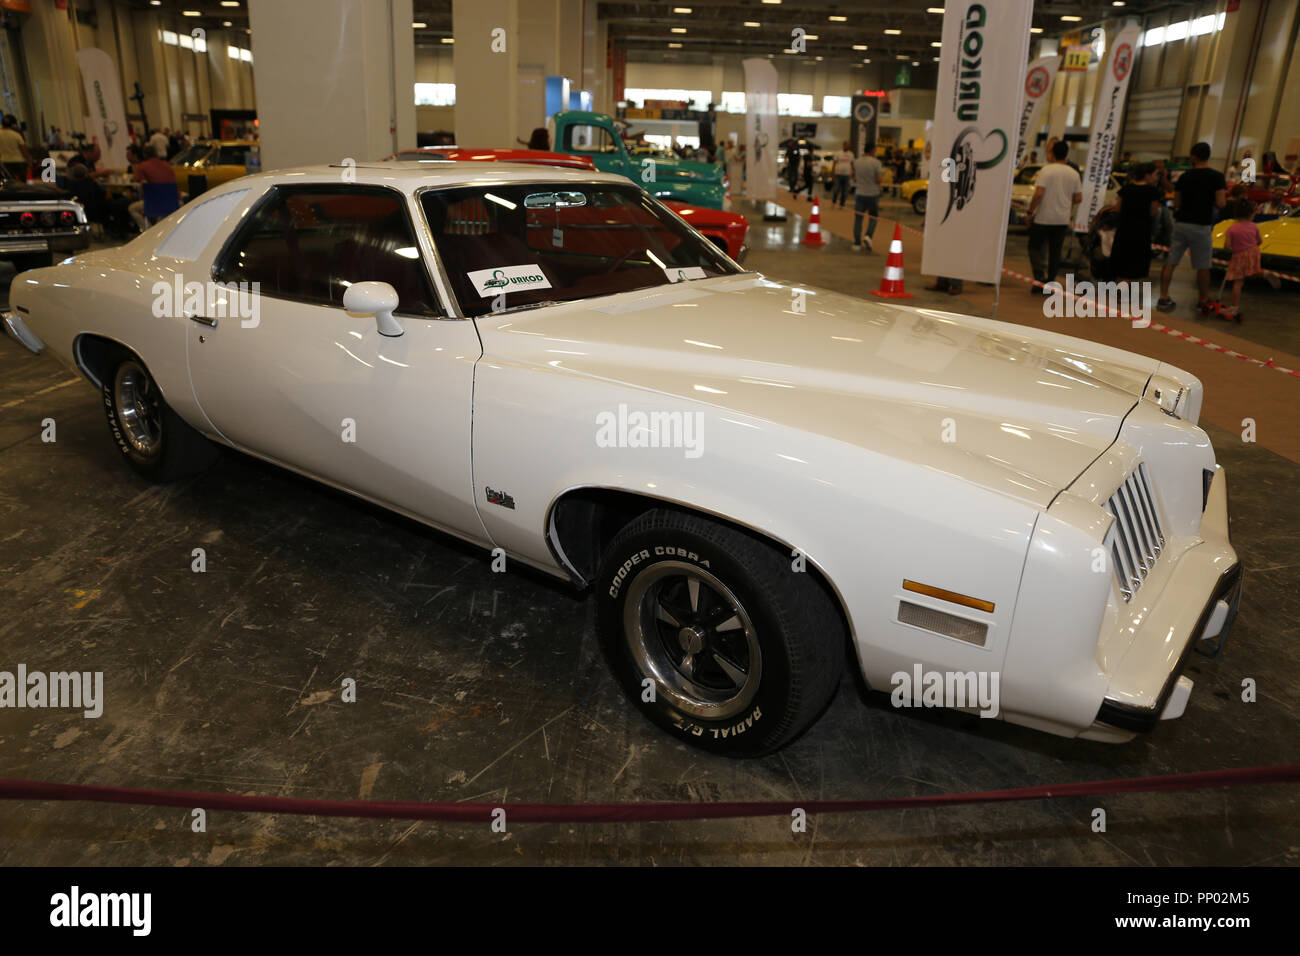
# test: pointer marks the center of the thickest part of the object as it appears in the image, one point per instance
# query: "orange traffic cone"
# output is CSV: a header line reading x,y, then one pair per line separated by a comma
x,y
814,234
891,286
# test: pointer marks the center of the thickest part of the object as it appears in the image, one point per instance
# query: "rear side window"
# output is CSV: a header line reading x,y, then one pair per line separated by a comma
x,y
309,243
200,224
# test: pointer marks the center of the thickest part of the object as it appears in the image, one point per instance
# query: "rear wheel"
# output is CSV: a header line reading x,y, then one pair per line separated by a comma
x,y
156,442
918,203
714,636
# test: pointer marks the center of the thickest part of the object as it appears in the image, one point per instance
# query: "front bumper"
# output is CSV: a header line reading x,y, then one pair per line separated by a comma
x,y
14,325
1147,685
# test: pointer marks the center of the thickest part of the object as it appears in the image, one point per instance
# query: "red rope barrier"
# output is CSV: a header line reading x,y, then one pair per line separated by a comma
x,y
624,812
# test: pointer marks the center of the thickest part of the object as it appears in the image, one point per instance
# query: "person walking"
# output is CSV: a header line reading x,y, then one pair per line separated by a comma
x,y
1139,204
1057,188
1199,192
809,174
736,170
1242,240
843,170
867,177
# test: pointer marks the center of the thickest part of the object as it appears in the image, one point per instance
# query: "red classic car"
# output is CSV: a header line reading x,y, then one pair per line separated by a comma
x,y
727,230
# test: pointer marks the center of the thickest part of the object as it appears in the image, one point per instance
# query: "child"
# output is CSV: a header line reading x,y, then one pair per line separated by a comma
x,y
1242,240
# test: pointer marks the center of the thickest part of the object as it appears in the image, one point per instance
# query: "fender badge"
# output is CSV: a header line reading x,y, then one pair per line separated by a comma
x,y
500,498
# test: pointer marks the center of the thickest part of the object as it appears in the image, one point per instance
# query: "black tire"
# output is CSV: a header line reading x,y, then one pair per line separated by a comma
x,y
782,639
918,202
156,442
32,260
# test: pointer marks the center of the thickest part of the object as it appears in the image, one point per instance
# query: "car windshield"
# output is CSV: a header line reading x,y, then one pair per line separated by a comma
x,y
519,244
192,155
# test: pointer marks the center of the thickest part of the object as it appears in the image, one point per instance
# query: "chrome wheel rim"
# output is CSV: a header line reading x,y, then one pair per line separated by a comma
x,y
138,407
689,633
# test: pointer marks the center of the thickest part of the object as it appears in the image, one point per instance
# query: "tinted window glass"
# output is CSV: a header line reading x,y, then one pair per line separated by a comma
x,y
191,155
540,242
312,242
231,156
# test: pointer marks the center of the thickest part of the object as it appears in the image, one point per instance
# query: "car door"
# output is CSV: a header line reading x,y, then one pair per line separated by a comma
x,y
283,371
597,143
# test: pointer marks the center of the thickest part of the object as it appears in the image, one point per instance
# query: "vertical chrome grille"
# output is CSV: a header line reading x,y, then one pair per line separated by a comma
x,y
1138,538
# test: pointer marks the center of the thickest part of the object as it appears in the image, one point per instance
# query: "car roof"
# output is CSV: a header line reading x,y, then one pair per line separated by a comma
x,y
413,176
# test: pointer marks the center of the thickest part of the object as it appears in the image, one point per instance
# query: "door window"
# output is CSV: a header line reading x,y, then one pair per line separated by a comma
x,y
589,139
310,243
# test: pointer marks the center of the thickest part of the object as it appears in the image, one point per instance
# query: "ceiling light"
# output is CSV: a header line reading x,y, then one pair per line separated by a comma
x,y
681,9
678,30
155,3
935,58
834,19
934,9
226,23
894,33
1035,29
866,59
936,43
916,63
417,25
811,36
859,46
752,23
773,2
1117,3
230,3
900,56
818,58
674,46
448,39
1069,19
191,13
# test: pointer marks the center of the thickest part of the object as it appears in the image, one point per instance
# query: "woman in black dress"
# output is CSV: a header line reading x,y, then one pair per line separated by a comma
x,y
1139,204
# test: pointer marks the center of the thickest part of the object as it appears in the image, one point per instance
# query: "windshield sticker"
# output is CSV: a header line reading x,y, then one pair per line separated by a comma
x,y
682,273
491,282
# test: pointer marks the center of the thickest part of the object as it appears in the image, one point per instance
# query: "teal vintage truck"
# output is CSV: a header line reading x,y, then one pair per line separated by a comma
x,y
594,135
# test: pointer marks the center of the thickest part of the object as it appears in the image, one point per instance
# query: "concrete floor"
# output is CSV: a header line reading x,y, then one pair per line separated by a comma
x,y
475,687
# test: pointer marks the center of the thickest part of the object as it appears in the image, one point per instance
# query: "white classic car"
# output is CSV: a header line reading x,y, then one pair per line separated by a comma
x,y
751,475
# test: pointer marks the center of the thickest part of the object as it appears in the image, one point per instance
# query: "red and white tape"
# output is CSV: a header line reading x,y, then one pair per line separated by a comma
x,y
1160,327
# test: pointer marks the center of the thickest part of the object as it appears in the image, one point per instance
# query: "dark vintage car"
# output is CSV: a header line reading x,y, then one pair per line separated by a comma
x,y
38,221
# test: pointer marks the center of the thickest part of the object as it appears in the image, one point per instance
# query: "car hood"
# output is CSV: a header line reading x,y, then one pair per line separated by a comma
x,y
1016,410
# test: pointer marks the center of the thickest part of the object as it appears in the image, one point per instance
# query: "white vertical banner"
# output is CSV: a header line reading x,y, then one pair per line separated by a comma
x,y
760,128
1039,78
976,122
104,97
1105,125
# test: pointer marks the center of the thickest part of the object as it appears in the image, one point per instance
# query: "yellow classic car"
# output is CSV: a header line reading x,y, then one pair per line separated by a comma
x,y
1022,191
914,191
1279,249
220,160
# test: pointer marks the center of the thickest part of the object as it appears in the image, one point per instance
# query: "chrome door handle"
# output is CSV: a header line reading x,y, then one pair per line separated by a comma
x,y
202,320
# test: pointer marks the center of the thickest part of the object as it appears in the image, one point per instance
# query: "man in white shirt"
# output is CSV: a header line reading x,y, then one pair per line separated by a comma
x,y
159,143
843,170
1057,188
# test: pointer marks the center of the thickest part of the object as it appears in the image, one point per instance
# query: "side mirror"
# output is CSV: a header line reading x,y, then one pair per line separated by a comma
x,y
374,298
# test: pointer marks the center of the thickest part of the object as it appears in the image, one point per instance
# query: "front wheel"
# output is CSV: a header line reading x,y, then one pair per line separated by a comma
x,y
714,636
918,203
157,443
